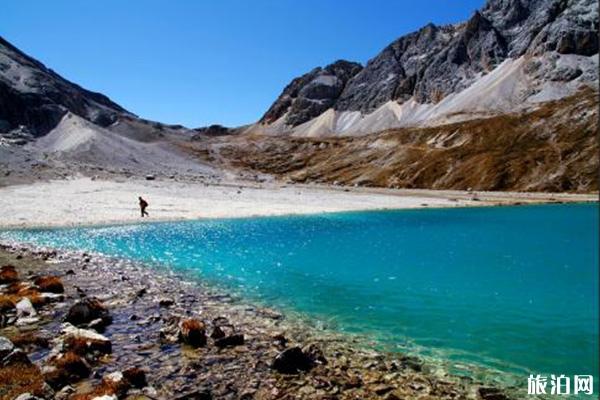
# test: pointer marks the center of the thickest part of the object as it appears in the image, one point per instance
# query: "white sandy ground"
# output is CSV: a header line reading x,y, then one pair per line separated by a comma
x,y
83,201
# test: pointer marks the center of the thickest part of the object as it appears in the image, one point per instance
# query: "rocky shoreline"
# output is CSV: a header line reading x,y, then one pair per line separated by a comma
x,y
81,326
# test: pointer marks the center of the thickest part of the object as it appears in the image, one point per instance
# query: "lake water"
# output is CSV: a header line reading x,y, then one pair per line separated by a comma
x,y
508,289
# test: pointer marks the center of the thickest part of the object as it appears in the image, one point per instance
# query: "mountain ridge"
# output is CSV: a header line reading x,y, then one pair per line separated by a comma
x,y
555,39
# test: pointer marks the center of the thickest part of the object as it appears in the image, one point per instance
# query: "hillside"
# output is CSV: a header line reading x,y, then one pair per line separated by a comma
x,y
553,148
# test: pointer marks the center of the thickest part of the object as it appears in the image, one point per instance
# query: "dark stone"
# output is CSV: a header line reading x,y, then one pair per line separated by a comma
x,y
136,377
86,311
488,393
292,361
48,97
217,333
198,394
230,341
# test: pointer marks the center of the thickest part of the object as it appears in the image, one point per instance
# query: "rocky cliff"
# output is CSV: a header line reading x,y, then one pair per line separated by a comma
x,y
514,52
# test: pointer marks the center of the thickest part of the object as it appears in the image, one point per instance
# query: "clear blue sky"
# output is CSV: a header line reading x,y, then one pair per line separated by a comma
x,y
203,62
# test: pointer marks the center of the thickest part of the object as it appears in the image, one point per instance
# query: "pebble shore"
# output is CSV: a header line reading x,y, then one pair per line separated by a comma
x,y
83,326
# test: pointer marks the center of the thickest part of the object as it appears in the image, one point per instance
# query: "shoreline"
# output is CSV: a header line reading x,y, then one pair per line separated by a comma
x,y
86,202
381,375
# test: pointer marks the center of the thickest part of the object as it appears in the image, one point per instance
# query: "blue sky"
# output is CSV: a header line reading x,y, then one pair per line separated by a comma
x,y
202,62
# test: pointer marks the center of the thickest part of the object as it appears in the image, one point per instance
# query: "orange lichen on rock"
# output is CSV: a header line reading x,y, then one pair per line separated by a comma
x,y
51,284
8,274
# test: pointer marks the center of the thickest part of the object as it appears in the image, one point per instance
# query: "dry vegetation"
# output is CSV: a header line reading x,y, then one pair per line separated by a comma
x,y
552,148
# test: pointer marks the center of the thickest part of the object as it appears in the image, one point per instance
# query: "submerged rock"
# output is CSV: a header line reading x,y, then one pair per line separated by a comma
x,y
86,311
292,361
136,376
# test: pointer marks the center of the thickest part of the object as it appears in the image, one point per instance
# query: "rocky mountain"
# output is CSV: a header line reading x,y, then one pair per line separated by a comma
x,y
33,98
509,55
51,127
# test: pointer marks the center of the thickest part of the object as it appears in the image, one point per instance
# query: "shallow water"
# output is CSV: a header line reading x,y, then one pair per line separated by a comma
x,y
512,289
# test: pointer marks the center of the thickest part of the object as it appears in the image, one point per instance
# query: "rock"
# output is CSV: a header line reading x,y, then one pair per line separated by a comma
x,y
106,397
51,284
382,389
192,332
65,369
27,396
217,333
434,62
25,308
230,341
65,393
8,274
6,304
83,341
311,94
291,361
51,297
87,310
314,353
114,384
166,302
10,354
198,394
136,377
38,106
489,393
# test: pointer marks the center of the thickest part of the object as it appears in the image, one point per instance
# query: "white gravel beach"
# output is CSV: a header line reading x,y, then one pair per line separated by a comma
x,y
84,201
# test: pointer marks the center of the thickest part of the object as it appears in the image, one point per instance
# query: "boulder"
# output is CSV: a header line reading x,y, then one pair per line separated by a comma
x,y
10,354
192,332
136,376
86,311
230,341
114,384
217,333
166,302
6,304
25,308
50,284
8,274
292,361
65,369
84,341
314,353
27,396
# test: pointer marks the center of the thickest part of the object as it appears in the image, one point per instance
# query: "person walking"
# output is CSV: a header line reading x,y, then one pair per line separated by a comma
x,y
143,206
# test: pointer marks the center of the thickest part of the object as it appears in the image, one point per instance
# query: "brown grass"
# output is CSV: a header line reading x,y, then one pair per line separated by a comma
x,y
27,339
20,378
553,148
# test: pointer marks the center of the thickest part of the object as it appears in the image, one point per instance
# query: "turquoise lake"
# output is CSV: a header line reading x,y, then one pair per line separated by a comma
x,y
506,289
